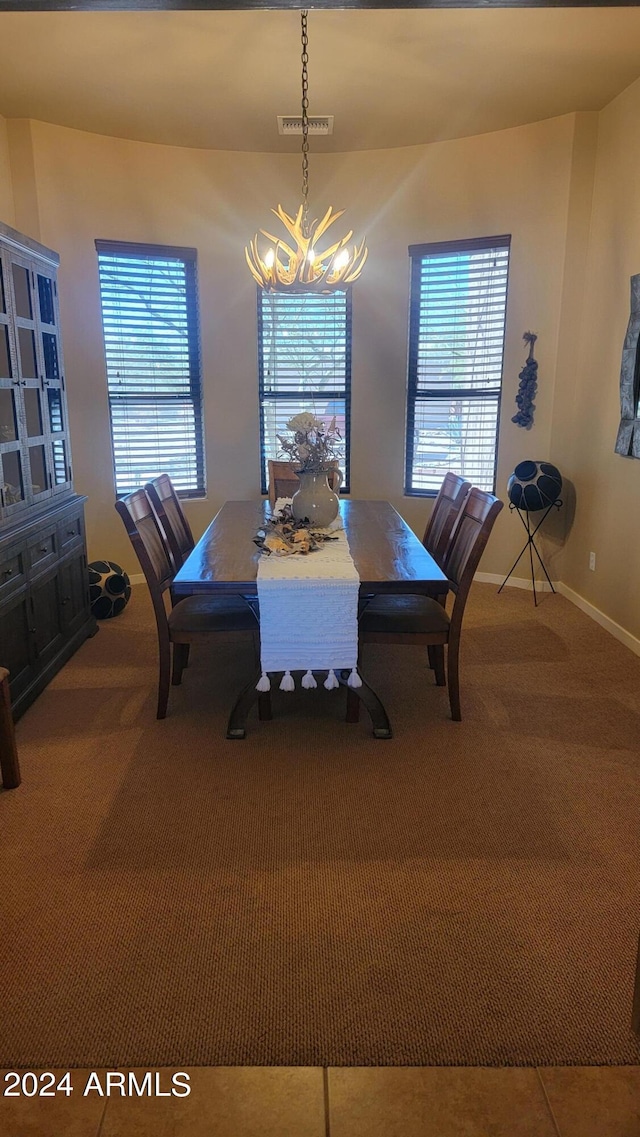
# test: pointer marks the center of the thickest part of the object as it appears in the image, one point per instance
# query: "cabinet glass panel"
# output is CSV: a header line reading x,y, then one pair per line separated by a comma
x,y
12,475
3,302
5,358
38,469
56,420
26,343
33,413
50,348
45,294
8,424
22,292
59,461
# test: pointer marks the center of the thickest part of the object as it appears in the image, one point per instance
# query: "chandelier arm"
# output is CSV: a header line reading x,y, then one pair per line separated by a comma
x,y
327,221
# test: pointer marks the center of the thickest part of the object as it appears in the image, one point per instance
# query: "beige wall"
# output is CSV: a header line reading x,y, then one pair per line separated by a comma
x,y
88,186
607,486
6,188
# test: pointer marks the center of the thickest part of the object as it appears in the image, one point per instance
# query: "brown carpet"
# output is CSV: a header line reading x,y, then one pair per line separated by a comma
x,y
464,894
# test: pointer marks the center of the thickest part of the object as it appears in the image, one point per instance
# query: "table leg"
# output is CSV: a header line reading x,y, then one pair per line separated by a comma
x,y
236,726
367,696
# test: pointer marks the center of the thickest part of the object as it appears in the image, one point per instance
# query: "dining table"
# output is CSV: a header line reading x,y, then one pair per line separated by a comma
x,y
388,557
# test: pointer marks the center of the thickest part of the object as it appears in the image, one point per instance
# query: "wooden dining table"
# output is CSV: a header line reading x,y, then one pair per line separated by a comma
x,y
387,555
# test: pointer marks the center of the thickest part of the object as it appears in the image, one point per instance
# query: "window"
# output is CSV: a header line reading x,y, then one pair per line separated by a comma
x,y
150,321
304,361
456,341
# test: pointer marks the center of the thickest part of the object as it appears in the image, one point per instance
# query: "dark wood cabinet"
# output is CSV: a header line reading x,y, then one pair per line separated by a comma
x,y
44,591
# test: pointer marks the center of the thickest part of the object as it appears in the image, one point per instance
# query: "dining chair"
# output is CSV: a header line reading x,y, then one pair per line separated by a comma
x,y
445,513
421,619
171,516
192,620
283,480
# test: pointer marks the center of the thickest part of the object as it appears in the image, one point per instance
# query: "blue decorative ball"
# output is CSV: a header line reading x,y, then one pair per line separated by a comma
x,y
109,589
534,485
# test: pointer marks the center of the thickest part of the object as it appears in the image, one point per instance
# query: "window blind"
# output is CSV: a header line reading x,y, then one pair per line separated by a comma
x,y
456,343
150,323
304,364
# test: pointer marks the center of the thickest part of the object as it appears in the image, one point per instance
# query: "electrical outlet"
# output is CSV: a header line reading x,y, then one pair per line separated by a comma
x,y
592,561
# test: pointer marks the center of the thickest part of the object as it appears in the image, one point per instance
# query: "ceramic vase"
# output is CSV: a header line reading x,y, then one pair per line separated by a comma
x,y
315,499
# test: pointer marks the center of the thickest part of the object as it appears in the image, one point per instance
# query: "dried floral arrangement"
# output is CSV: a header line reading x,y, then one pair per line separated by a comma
x,y
284,536
314,445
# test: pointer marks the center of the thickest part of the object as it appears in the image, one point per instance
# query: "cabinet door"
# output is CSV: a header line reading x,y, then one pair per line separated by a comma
x,y
53,383
16,641
46,626
12,473
74,593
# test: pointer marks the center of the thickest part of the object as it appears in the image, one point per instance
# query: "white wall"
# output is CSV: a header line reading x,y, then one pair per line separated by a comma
x,y
6,187
607,508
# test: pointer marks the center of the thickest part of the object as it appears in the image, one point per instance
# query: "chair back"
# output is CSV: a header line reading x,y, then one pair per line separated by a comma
x,y
446,510
283,480
171,516
144,533
468,543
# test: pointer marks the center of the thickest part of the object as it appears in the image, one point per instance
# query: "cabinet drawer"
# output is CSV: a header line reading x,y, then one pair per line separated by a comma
x,y
42,552
12,571
70,532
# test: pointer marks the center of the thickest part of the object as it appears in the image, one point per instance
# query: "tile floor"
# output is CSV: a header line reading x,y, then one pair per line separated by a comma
x,y
341,1102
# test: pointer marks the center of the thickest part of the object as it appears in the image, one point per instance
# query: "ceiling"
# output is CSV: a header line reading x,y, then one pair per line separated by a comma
x,y
217,79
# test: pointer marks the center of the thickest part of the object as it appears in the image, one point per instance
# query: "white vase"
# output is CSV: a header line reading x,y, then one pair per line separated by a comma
x,y
315,500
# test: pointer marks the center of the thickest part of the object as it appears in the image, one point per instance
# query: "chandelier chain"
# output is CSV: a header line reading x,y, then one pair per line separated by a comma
x,y
305,123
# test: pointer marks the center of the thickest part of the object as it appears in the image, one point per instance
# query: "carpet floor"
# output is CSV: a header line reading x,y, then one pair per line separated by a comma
x,y
462,894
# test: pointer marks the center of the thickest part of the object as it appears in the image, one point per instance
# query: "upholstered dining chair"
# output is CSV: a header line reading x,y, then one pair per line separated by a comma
x,y
283,480
445,513
194,619
171,516
421,619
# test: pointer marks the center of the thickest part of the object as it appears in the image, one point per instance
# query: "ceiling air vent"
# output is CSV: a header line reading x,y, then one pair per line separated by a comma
x,y
292,124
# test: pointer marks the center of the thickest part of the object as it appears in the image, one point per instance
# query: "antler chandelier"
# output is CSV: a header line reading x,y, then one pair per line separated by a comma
x,y
304,268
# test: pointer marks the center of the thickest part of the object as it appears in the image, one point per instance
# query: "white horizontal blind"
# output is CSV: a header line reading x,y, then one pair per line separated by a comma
x,y
304,361
149,316
456,343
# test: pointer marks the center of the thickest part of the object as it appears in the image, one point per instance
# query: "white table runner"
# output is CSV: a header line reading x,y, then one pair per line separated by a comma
x,y
309,614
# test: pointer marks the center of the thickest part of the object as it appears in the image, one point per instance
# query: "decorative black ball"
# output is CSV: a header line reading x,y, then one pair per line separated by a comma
x,y
534,485
109,589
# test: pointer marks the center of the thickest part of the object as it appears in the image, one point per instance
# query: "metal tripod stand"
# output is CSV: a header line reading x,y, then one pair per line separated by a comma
x,y
531,545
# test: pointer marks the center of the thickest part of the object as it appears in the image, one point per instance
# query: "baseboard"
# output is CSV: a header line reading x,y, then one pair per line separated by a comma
x,y
609,625
137,578
620,633
514,581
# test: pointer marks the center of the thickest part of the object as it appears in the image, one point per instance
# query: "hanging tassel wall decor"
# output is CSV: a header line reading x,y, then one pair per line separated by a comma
x,y
528,384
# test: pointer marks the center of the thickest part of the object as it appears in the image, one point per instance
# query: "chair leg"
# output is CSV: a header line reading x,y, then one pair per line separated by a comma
x,y
180,657
453,654
353,706
9,764
264,706
432,663
164,678
438,664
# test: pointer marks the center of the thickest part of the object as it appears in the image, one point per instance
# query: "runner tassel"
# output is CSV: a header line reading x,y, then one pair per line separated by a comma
x,y
308,681
287,683
354,679
331,681
264,682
